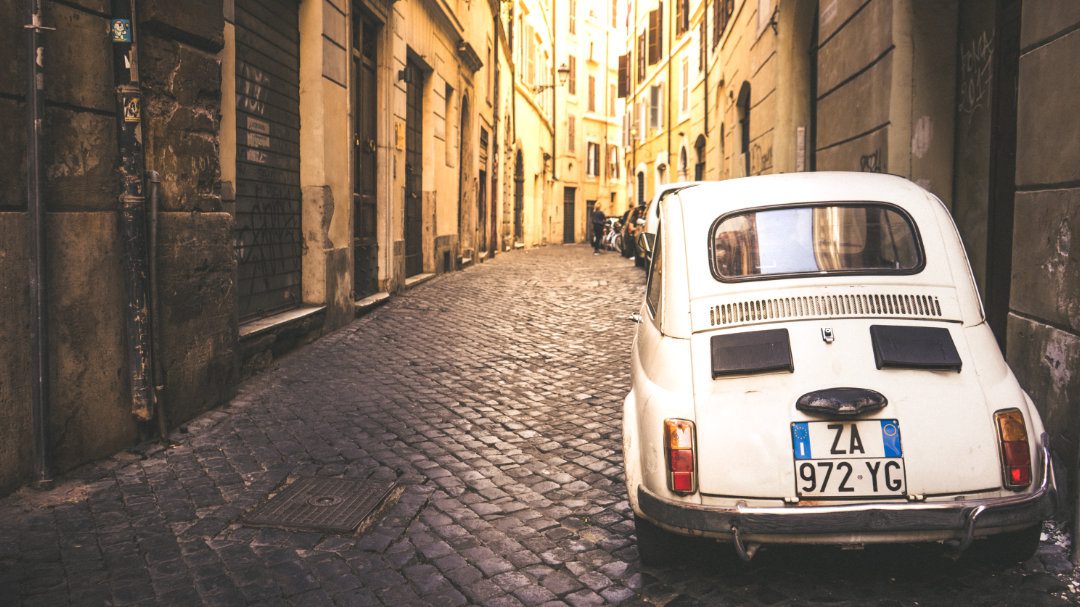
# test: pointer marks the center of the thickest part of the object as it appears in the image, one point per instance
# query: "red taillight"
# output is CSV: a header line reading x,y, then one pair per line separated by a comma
x,y
679,447
1015,452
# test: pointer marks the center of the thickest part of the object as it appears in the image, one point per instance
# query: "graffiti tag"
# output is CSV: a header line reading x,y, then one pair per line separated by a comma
x,y
976,73
872,163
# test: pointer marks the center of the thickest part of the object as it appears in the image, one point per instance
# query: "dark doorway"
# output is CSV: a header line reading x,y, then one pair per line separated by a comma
x,y
495,198
466,225
742,106
569,211
481,212
699,162
519,198
414,162
590,206
365,241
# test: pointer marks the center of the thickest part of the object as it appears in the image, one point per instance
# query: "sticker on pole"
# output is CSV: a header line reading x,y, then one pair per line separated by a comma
x,y
121,30
131,109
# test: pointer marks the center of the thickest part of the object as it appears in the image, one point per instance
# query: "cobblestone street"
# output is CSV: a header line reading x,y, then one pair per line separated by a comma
x,y
493,395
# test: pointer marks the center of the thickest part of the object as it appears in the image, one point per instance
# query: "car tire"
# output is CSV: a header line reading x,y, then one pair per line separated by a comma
x,y
1011,547
655,546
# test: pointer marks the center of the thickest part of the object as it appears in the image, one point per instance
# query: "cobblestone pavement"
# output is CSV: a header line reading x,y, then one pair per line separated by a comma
x,y
493,395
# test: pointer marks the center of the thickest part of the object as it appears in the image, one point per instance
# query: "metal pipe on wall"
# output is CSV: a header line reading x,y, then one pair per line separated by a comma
x,y
132,209
158,362
39,351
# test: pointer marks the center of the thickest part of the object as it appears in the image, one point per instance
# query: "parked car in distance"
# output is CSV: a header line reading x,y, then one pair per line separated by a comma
x,y
813,366
652,218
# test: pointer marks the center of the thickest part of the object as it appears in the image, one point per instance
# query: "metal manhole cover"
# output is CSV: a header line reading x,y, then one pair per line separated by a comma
x,y
333,505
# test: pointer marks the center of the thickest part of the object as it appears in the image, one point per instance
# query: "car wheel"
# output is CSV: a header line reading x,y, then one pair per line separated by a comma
x,y
654,545
1012,547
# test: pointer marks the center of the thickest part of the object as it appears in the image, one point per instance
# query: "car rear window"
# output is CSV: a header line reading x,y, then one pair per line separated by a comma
x,y
816,239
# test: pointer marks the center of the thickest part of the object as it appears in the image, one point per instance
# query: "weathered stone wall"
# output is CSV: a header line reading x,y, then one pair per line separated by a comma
x,y
1044,319
85,297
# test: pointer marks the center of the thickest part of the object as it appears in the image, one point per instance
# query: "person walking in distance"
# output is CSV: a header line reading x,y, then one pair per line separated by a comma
x,y
598,219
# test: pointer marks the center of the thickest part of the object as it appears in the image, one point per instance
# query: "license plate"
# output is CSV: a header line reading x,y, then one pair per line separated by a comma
x,y
848,459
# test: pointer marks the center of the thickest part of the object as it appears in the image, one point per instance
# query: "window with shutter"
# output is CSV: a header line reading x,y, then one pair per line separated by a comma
x,y
654,107
592,93
624,76
684,96
641,121
641,58
570,134
702,43
656,34
682,16
571,83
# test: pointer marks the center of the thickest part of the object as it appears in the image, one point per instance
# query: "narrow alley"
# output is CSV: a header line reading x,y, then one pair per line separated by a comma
x,y
493,397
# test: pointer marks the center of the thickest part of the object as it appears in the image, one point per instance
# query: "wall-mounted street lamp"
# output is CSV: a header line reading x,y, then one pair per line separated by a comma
x,y
564,74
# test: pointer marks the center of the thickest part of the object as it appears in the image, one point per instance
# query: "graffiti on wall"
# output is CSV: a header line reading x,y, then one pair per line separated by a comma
x,y
760,160
872,162
252,99
976,73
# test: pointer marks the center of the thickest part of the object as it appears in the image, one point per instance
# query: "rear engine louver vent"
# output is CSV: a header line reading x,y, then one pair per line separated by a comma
x,y
825,306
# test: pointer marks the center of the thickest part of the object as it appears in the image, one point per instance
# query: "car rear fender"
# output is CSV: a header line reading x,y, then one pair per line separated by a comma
x,y
660,390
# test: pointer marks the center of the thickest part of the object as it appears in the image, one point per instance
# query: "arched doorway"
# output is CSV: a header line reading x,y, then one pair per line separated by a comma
x,y
641,188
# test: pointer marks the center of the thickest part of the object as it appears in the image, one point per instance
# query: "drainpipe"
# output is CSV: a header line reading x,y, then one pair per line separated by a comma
x,y
158,362
39,352
705,68
670,85
554,99
496,13
132,208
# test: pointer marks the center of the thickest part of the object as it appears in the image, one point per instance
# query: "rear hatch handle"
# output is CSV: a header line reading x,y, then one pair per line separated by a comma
x,y
841,402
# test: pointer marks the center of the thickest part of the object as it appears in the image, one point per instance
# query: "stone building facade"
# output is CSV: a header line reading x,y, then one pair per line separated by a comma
x,y
662,77
588,140
87,383
315,156
965,98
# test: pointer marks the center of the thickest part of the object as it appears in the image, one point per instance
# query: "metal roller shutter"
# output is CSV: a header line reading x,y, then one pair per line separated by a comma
x,y
268,238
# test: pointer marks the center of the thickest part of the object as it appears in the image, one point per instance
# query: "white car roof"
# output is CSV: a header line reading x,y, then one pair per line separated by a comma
x,y
691,213
792,188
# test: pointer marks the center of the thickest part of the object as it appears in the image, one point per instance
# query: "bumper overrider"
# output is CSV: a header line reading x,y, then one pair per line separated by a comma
x,y
748,526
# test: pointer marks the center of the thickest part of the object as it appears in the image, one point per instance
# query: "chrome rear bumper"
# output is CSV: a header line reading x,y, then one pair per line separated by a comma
x,y
956,519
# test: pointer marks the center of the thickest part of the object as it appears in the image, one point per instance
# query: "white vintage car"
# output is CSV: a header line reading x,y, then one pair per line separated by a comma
x,y
813,366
